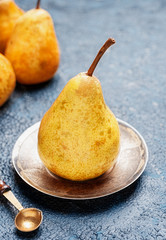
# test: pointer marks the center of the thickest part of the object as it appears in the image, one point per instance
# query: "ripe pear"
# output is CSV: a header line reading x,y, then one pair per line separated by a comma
x,y
79,136
9,13
7,79
33,47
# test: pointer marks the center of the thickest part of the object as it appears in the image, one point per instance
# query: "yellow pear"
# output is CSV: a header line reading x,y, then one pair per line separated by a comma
x,y
7,79
79,136
33,47
9,13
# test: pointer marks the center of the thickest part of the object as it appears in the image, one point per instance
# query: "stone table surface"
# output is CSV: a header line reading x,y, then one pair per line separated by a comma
x,y
133,79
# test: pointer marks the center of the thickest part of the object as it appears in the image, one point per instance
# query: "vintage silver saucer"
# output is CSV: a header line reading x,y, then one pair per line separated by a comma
x,y
130,165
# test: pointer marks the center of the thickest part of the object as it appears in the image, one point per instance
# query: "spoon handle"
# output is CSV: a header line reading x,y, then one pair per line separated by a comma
x,y
5,190
3,187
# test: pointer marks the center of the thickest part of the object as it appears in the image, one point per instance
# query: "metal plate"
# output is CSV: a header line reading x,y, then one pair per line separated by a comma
x,y
130,164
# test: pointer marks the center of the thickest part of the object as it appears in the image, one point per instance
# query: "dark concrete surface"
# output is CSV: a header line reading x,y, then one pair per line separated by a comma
x,y
133,78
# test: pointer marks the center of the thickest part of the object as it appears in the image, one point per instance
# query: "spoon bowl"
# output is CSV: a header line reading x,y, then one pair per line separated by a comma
x,y
28,219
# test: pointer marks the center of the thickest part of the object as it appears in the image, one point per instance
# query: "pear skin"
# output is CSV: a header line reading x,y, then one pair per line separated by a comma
x,y
7,79
9,13
79,136
33,47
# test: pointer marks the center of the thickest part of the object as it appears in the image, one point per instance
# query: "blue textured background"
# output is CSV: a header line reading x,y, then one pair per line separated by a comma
x,y
133,78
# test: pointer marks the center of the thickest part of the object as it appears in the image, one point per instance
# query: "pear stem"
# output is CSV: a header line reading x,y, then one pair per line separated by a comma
x,y
102,50
38,4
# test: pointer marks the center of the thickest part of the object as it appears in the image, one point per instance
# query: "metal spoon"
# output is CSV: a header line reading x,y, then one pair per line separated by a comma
x,y
28,219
